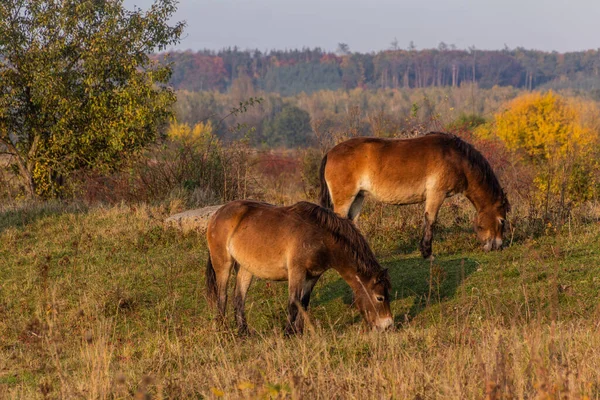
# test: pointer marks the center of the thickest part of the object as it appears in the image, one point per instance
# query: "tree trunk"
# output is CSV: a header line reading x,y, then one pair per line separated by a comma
x,y
25,173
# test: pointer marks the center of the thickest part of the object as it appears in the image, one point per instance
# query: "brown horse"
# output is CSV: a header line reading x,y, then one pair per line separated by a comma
x,y
408,171
298,244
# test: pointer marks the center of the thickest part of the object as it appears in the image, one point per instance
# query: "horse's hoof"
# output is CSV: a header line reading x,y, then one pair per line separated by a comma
x,y
243,333
289,332
430,258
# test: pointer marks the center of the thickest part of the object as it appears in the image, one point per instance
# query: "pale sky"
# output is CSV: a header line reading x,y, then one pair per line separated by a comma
x,y
561,25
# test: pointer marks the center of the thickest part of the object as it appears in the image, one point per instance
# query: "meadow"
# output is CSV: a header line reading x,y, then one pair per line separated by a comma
x,y
107,302
100,141
100,299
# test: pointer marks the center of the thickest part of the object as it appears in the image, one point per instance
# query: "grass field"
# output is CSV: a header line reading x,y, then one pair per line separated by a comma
x,y
108,303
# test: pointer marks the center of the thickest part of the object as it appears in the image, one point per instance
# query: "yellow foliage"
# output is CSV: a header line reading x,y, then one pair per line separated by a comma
x,y
546,126
559,135
183,132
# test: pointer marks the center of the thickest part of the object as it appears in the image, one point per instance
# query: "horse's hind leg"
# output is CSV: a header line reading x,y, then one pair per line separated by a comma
x,y
432,206
349,206
343,196
222,273
356,206
243,281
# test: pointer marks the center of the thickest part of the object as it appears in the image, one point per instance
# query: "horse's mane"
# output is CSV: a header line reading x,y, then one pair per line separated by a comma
x,y
481,167
344,231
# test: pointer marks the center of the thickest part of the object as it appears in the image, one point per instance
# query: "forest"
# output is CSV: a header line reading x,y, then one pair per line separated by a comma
x,y
290,72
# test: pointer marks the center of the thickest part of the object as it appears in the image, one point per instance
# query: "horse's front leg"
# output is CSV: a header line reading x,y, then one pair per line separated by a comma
x,y
309,284
307,287
293,310
432,206
297,284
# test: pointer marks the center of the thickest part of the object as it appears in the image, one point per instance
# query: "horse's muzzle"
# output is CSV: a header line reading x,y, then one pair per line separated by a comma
x,y
384,323
493,244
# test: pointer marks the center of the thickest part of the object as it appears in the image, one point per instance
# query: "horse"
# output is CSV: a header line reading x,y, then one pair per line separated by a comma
x,y
427,169
297,243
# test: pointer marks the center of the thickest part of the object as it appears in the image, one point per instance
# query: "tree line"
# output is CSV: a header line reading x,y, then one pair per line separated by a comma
x,y
290,72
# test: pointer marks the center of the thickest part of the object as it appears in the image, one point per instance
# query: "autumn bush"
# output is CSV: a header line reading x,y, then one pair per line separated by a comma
x,y
191,166
556,137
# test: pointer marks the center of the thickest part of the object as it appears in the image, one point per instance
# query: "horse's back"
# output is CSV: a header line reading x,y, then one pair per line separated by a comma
x,y
399,171
261,237
420,149
229,216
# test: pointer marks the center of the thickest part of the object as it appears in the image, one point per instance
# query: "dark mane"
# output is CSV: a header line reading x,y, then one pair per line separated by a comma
x,y
482,168
343,231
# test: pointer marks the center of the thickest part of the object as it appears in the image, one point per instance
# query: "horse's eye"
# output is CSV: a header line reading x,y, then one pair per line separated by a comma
x,y
380,298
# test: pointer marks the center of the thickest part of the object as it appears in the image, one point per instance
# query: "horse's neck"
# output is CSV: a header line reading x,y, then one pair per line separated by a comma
x,y
479,195
344,264
353,279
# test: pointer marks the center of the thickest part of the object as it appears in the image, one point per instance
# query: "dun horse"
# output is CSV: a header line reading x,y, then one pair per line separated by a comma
x,y
408,171
298,244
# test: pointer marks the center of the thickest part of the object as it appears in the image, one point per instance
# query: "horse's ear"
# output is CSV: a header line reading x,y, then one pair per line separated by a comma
x,y
505,202
383,275
501,221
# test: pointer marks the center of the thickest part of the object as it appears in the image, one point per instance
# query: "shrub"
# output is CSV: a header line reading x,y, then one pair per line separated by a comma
x,y
192,165
555,136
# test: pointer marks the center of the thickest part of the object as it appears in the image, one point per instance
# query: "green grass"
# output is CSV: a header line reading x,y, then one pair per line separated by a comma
x,y
106,302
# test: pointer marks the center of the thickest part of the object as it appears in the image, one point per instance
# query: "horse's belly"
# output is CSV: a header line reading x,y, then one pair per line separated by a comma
x,y
272,272
262,261
399,196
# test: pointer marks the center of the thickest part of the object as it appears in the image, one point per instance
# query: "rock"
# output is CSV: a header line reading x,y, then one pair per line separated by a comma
x,y
193,220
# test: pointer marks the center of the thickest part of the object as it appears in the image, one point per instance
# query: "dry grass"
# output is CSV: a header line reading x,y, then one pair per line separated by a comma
x,y
106,303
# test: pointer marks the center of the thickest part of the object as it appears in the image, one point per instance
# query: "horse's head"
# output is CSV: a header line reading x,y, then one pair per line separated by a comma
x,y
373,300
490,225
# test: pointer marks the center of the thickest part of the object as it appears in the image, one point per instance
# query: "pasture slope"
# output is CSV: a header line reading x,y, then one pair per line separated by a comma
x,y
107,303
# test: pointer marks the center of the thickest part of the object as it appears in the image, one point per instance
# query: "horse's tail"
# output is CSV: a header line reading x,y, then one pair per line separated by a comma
x,y
211,282
325,197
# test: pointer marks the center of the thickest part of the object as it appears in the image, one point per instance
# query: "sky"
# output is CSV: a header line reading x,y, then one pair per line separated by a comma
x,y
372,25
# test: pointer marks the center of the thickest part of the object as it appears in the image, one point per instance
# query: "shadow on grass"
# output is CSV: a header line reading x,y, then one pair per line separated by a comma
x,y
21,216
415,281
454,239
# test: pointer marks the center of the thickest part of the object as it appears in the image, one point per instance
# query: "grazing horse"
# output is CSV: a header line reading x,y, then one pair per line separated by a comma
x,y
426,169
298,244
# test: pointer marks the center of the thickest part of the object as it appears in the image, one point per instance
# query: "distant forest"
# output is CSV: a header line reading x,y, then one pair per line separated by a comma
x,y
290,72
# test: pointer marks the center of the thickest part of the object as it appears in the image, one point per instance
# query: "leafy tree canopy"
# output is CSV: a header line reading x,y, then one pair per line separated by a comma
x,y
77,88
290,128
